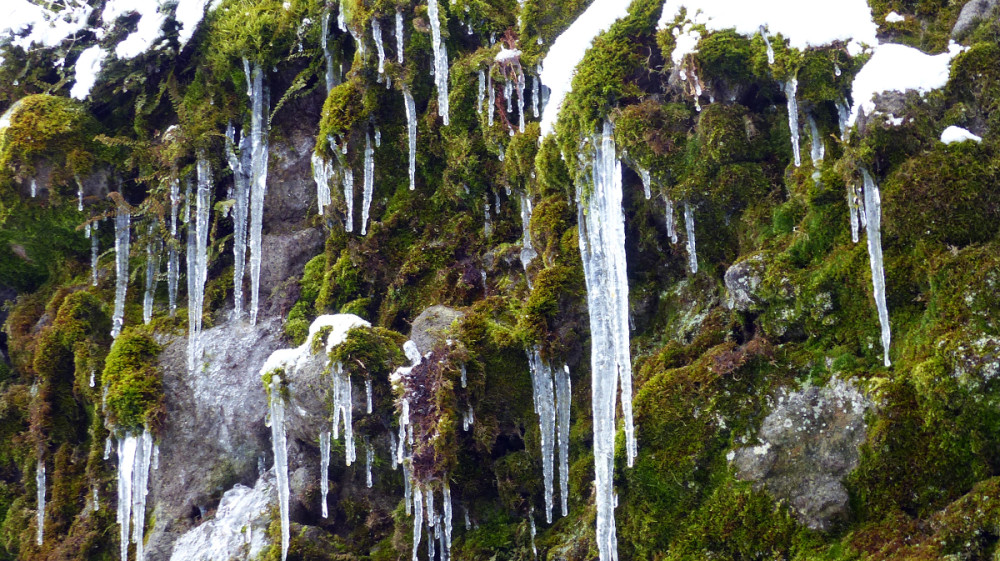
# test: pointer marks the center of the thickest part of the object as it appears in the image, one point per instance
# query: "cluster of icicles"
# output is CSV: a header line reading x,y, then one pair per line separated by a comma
x,y
249,166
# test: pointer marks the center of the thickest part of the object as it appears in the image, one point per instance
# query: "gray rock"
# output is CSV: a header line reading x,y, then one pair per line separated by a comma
x,y
430,326
808,444
742,280
214,434
291,191
286,256
972,13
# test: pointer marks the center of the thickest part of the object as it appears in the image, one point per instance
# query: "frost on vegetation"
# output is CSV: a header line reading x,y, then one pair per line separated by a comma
x,y
123,221
135,454
955,134
873,216
568,50
602,250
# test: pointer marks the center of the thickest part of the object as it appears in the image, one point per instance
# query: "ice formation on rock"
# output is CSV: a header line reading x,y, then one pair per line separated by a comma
x,y
411,135
197,261
793,117
440,59
873,220
259,104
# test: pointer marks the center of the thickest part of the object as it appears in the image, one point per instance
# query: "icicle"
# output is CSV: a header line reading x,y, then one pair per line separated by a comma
x,y
140,487
93,256
411,131
492,106
563,398
602,249
152,270
646,182
407,490
241,167
258,182
544,398
482,92
508,92
96,501
369,456
818,150
342,401
368,395
79,195
369,183
123,220
770,50
852,207
342,17
793,117
173,258
689,226
40,504
324,41
126,467
34,189
322,173
873,215
348,185
418,515
531,522
278,440
528,252
399,37
377,35
440,59
468,418
465,375
843,117
404,419
107,447
392,450
324,469
198,261
535,89
468,522
447,509
520,99
671,223
93,373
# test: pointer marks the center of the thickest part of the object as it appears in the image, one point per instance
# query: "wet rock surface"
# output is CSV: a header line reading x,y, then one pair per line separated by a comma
x,y
430,326
808,444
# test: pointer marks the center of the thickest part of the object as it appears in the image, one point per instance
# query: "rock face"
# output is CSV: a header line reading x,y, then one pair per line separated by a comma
x,y
808,444
742,281
431,324
286,258
239,529
971,14
214,433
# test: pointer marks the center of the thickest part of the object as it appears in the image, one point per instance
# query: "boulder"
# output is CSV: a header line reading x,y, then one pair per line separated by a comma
x,y
807,445
213,435
431,326
743,279
972,13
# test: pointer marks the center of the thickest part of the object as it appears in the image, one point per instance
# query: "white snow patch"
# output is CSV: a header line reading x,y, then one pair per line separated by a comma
x,y
803,23
44,27
506,54
568,49
340,324
893,17
88,66
899,68
954,134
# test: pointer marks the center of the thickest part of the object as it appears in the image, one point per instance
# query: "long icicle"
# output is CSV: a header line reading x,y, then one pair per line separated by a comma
x,y
258,184
873,214
602,250
198,262
123,221
440,59
240,165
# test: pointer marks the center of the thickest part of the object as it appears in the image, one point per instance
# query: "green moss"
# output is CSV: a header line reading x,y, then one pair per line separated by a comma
x,y
44,130
655,136
345,106
945,195
134,399
724,56
264,32
374,352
